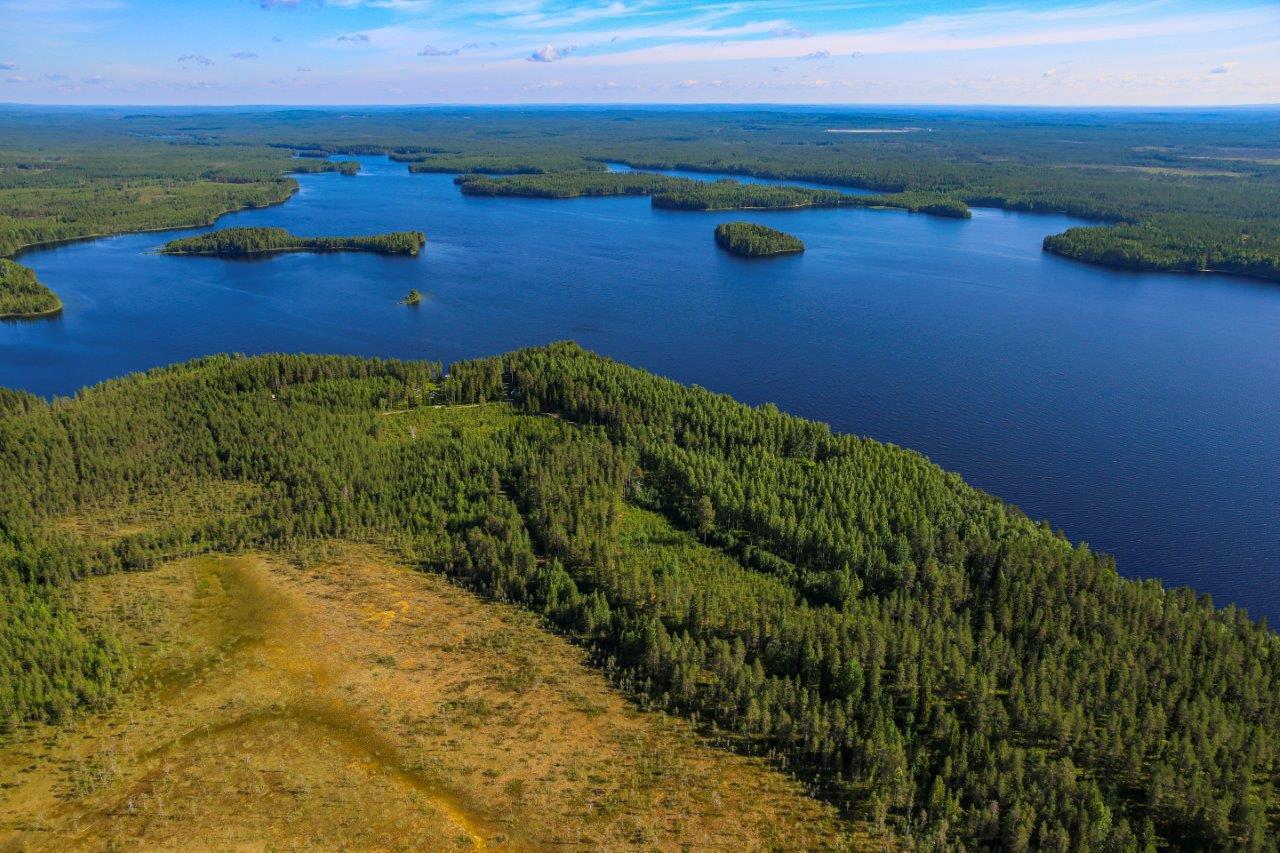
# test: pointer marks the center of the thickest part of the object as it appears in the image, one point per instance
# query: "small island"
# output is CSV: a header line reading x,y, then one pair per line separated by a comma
x,y
22,296
249,242
748,240
413,297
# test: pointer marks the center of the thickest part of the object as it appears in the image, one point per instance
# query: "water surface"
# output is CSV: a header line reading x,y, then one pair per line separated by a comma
x,y
1136,411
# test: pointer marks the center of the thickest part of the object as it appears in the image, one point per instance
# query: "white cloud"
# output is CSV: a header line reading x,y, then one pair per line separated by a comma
x,y
1224,68
244,54
550,53
435,51
355,38
817,54
196,59
8,66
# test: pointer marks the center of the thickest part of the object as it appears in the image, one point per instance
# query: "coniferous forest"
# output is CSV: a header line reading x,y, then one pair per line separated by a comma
x,y
750,240
22,294
261,241
928,657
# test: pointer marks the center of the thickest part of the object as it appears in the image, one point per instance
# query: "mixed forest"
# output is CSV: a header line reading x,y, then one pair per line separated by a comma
x,y
233,242
924,655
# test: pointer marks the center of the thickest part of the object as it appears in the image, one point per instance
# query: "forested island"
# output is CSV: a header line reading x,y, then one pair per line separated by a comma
x,y
22,295
688,194
663,190
931,659
232,242
750,240
1215,247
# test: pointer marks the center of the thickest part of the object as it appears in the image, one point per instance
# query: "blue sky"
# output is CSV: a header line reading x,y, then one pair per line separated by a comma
x,y
1167,52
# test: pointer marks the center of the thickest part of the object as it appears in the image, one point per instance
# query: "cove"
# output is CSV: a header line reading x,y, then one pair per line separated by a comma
x,y
1137,411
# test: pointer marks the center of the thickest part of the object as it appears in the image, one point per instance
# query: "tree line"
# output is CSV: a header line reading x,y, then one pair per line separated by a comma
x,y
755,241
22,294
258,241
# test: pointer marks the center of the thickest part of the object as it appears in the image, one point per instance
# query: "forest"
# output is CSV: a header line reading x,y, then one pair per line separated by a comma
x,y
233,242
22,294
749,240
689,194
493,165
1169,190
928,657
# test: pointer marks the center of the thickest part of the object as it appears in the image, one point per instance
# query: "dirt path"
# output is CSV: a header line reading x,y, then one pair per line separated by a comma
x,y
359,704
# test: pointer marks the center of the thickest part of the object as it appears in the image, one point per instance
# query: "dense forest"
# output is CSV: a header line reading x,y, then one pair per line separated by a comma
x,y
750,240
493,165
927,656
22,294
260,241
1183,187
688,194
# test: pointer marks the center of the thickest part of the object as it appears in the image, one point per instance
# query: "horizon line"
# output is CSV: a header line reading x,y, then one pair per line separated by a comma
x,y
634,104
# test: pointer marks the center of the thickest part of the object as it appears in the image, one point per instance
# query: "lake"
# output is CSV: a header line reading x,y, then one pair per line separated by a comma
x,y
1139,412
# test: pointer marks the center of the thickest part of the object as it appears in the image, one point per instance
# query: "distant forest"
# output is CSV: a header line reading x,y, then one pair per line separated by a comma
x,y
1186,190
260,241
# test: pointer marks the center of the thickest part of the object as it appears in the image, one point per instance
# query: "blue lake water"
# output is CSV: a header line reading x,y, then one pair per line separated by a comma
x,y
1138,412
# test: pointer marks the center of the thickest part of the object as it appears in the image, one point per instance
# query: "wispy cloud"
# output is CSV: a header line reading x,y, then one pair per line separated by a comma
x,y
435,51
8,66
817,54
1224,68
355,38
244,54
196,59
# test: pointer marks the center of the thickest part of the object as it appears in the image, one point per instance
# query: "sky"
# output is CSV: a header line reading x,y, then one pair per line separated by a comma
x,y
1043,52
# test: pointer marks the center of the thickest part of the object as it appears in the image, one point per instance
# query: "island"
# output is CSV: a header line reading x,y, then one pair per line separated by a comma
x,y
248,242
22,295
413,297
749,240
674,193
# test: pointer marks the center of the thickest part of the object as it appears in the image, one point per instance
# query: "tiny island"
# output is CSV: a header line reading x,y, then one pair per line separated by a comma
x,y
413,297
249,242
22,296
748,240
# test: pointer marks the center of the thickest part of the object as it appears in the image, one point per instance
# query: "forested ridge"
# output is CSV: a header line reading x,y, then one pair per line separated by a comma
x,y
259,241
22,294
755,241
928,656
